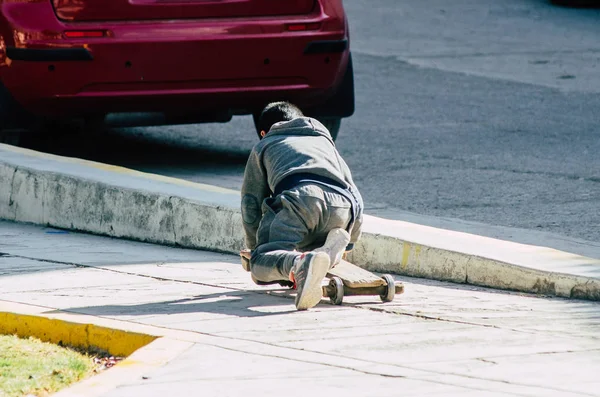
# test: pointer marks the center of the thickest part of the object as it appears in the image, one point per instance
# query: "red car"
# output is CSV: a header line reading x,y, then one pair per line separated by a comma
x,y
188,61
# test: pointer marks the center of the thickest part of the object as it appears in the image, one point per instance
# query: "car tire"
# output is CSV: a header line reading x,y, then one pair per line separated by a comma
x,y
341,105
330,114
11,114
333,124
255,118
4,107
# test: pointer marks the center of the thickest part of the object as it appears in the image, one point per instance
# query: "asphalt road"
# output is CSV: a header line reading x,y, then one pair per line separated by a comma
x,y
480,116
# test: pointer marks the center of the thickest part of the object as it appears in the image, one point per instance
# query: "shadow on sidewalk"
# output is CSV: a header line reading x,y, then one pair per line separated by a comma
x,y
230,303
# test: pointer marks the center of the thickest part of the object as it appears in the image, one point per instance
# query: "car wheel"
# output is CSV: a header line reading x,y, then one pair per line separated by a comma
x,y
339,106
255,117
4,108
11,114
333,125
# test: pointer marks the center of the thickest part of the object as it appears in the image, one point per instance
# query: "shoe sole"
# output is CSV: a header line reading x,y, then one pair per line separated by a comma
x,y
312,291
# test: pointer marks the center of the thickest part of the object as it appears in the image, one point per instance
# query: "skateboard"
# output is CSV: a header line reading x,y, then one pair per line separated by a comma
x,y
347,279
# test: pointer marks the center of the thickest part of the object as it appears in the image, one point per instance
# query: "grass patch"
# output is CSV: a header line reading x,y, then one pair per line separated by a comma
x,y
30,366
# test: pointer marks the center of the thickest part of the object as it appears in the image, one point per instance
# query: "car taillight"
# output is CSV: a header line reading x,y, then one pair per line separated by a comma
x,y
301,27
85,34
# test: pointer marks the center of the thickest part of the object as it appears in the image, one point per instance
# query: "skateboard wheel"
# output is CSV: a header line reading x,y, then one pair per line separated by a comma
x,y
338,290
246,264
390,291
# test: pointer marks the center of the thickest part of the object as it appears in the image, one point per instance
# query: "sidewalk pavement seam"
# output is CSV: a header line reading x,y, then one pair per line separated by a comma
x,y
92,385
394,311
270,292
348,305
416,372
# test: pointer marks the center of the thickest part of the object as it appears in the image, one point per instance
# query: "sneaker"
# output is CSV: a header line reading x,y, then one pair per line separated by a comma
x,y
307,274
336,243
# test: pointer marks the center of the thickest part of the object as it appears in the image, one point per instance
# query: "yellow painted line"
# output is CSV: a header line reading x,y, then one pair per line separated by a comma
x,y
116,342
405,254
143,352
117,169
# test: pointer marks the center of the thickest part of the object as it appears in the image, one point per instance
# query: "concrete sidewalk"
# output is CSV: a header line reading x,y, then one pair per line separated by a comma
x,y
224,336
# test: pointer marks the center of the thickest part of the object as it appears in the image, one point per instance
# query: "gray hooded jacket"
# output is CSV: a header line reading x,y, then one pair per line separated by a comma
x,y
302,145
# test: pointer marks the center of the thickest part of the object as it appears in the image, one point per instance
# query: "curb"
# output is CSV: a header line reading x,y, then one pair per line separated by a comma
x,y
113,201
84,336
142,351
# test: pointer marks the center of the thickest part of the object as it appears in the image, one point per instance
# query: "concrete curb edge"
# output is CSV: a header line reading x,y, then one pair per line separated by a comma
x,y
62,198
142,351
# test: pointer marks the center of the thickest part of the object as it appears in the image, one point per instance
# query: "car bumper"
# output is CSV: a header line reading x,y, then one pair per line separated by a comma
x,y
171,66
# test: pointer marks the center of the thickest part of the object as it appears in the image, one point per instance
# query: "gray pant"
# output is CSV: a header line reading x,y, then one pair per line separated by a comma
x,y
296,220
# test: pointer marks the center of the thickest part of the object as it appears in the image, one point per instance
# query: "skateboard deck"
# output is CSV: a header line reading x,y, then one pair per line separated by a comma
x,y
347,279
354,276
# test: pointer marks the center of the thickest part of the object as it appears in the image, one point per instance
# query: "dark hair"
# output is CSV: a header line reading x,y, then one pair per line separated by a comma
x,y
276,112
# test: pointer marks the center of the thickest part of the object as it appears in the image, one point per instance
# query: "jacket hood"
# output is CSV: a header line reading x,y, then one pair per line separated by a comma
x,y
305,126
